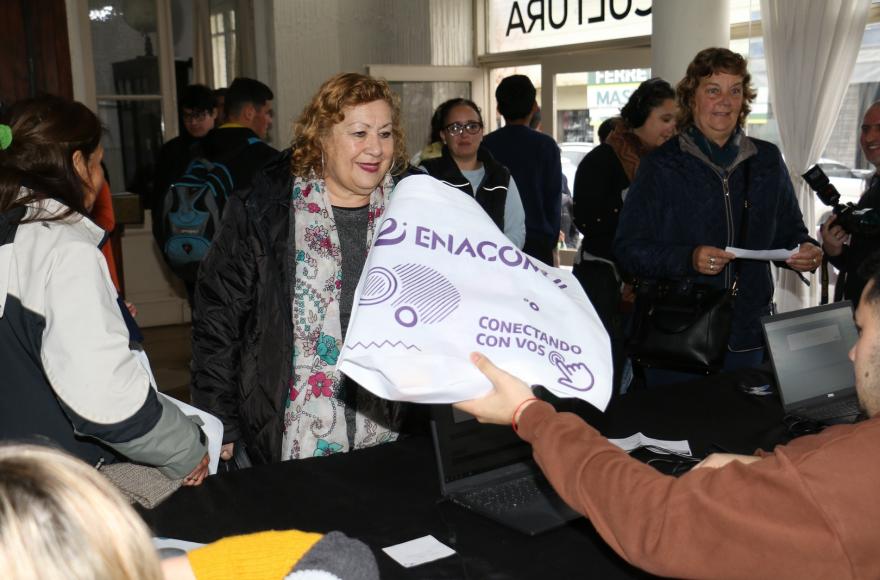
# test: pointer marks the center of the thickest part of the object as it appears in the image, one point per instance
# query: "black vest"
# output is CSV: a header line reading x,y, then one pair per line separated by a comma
x,y
492,193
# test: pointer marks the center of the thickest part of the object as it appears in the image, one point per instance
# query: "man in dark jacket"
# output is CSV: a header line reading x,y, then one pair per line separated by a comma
x,y
198,111
847,256
534,162
238,143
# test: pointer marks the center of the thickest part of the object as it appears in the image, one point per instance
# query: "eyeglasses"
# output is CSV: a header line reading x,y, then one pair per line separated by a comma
x,y
472,127
194,115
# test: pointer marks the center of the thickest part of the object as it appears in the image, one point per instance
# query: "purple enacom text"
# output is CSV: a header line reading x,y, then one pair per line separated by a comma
x,y
504,334
425,237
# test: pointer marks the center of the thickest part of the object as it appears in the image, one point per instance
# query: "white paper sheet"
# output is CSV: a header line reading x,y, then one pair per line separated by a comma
x,y
442,281
418,551
637,440
211,425
769,255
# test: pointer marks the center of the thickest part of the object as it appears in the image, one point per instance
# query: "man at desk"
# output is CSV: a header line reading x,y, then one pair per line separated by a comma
x,y
808,509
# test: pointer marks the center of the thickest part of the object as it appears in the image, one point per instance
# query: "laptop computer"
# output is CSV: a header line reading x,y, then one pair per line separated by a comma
x,y
809,350
489,470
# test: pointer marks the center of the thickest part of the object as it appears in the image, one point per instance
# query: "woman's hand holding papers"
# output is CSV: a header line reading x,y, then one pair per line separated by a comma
x,y
806,259
509,395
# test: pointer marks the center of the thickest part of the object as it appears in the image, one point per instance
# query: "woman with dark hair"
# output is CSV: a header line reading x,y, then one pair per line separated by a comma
x,y
276,290
466,165
69,378
688,201
600,185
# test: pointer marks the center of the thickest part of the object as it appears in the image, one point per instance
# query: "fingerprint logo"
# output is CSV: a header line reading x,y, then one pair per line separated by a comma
x,y
426,295
381,285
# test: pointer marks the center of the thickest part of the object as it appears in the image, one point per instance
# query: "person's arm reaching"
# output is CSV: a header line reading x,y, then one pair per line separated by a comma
x,y
709,523
100,385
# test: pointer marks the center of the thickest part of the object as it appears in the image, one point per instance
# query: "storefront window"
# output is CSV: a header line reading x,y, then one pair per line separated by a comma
x,y
864,89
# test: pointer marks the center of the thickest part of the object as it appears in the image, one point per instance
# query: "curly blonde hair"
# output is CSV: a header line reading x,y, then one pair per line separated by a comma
x,y
326,109
61,519
708,62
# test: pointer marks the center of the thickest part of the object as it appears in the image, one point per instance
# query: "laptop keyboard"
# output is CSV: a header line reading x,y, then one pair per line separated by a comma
x,y
505,496
839,409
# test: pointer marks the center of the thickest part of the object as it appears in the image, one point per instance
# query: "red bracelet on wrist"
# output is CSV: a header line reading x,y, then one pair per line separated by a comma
x,y
515,411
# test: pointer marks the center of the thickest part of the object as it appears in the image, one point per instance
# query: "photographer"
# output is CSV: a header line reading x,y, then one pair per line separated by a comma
x,y
845,255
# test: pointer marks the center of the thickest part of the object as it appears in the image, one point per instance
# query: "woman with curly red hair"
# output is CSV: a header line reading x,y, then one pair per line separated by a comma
x,y
276,291
708,188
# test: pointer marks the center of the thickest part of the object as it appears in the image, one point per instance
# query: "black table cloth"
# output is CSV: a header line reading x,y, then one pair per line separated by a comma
x,y
389,494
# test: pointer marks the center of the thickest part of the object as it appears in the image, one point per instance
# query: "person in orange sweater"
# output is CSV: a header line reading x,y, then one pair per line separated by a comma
x,y
805,510
102,214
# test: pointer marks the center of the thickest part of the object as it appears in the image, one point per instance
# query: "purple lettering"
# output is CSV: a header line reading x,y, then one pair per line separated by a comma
x,y
465,246
384,238
517,257
437,240
528,263
480,253
421,235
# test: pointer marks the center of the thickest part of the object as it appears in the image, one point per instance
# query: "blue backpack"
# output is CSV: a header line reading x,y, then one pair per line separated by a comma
x,y
190,211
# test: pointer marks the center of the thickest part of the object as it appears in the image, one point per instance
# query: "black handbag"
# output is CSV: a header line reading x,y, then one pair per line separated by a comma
x,y
684,326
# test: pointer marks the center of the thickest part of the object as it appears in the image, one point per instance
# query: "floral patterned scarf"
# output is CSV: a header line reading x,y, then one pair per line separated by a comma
x,y
315,415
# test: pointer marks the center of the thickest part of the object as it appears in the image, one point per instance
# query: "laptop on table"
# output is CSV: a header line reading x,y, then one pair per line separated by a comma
x,y
488,469
809,350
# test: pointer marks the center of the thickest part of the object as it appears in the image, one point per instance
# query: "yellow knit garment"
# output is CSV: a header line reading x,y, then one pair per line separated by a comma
x,y
261,556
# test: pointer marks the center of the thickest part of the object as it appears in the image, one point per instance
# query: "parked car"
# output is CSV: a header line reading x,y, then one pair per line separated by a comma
x,y
571,154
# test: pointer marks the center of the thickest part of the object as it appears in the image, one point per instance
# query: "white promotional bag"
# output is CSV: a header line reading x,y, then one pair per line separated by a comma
x,y
441,281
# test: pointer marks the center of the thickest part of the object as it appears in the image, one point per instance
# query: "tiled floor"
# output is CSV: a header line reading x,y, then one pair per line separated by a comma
x,y
169,350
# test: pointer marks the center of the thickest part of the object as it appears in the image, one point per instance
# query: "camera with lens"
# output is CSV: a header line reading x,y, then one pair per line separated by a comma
x,y
853,219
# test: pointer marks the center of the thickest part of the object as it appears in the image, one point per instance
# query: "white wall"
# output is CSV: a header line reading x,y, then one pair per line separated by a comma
x,y
315,39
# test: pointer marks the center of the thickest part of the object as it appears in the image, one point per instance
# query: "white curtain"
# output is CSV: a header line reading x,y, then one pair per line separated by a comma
x,y
203,66
811,48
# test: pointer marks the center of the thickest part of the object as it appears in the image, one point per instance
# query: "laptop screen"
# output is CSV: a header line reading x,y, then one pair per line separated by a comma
x,y
810,350
467,447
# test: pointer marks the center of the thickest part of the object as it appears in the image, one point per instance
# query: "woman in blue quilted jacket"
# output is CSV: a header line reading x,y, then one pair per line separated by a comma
x,y
686,201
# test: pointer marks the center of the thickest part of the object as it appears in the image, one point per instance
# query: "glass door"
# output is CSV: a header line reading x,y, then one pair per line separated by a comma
x,y
422,88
